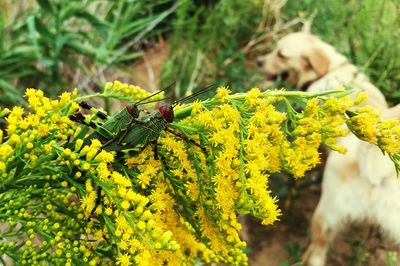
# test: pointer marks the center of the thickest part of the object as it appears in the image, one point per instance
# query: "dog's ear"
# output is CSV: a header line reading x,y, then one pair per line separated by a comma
x,y
318,61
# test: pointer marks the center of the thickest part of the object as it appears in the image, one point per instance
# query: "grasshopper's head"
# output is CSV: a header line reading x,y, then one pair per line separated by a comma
x,y
133,110
167,112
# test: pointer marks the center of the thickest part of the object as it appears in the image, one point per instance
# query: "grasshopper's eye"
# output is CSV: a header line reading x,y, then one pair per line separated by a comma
x,y
167,112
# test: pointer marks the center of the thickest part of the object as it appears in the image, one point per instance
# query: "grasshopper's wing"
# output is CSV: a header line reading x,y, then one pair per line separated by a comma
x,y
118,122
143,133
97,135
113,145
111,127
135,135
138,134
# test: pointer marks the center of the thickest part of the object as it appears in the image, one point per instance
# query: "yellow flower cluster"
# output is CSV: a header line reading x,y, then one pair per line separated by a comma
x,y
333,118
35,181
26,131
175,202
366,123
301,154
128,92
389,136
222,125
262,150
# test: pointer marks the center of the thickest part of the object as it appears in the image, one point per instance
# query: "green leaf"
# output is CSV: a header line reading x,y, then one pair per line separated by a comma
x,y
79,47
45,4
128,57
33,34
9,88
97,23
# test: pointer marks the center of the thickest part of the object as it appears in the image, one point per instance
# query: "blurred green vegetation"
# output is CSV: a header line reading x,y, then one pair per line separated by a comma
x,y
367,32
54,44
206,42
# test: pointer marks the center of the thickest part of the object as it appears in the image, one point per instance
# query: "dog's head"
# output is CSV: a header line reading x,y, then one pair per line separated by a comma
x,y
298,58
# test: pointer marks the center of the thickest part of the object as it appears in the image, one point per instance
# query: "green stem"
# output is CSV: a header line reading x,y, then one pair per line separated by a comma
x,y
271,93
86,97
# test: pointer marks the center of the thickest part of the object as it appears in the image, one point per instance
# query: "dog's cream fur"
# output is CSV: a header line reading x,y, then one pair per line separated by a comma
x,y
361,185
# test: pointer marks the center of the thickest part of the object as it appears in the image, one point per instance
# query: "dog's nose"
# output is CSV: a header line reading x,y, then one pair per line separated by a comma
x,y
260,63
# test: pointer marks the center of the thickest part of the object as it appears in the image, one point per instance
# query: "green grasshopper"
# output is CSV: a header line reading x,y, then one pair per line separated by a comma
x,y
143,132
133,131
113,125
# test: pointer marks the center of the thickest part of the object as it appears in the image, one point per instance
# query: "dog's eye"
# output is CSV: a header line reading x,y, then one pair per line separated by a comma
x,y
281,56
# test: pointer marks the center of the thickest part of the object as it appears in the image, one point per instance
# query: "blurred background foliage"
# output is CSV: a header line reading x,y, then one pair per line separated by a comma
x,y
56,44
59,44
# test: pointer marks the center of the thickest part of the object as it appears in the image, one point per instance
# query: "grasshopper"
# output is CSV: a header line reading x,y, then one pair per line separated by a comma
x,y
124,130
142,132
113,125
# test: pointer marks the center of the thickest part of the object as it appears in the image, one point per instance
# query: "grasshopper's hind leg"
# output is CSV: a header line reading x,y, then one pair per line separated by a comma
x,y
79,117
97,202
98,113
158,156
155,149
180,135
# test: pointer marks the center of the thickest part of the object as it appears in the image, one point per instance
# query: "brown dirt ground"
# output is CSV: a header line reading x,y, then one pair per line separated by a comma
x,y
145,72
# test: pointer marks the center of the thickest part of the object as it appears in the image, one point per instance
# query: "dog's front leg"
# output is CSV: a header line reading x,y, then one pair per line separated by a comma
x,y
322,234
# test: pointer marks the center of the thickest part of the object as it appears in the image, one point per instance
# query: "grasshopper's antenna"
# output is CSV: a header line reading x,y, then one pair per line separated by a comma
x,y
208,88
152,101
154,94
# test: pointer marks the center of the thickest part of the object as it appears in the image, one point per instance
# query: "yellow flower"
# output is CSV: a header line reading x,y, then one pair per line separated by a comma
x,y
120,179
222,93
104,156
129,91
125,205
123,245
361,97
14,138
197,107
89,202
29,145
364,123
389,136
124,259
252,97
85,167
2,166
108,211
5,150
141,225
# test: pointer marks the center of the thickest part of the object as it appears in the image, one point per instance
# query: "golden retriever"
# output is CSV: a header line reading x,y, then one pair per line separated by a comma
x,y
313,65
360,186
